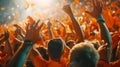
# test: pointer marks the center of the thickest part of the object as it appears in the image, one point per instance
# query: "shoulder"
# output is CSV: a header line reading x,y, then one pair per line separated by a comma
x,y
65,62
40,62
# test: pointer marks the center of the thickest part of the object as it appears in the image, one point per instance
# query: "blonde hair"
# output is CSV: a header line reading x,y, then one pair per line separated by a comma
x,y
85,54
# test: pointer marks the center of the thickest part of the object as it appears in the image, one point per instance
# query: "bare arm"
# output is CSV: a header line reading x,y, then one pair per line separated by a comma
x,y
76,25
30,39
19,32
33,53
64,28
50,30
5,38
105,35
8,46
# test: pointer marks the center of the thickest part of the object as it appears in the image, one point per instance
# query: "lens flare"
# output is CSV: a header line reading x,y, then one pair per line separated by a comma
x,y
43,3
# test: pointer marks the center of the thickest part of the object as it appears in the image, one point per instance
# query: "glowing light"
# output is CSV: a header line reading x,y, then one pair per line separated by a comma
x,y
43,3
18,6
2,8
12,8
9,17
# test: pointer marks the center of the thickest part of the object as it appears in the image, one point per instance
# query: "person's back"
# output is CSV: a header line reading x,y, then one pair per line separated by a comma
x,y
55,50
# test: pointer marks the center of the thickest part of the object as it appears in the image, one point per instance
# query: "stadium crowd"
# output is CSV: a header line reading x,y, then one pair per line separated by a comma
x,y
92,40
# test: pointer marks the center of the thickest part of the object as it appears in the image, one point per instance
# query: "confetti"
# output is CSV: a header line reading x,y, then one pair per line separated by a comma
x,y
2,8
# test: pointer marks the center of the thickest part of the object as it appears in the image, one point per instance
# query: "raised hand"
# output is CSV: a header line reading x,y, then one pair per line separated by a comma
x,y
67,9
19,32
20,28
97,9
50,29
32,32
6,35
76,25
105,35
31,37
49,24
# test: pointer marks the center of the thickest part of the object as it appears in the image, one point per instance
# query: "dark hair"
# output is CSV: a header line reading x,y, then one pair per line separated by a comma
x,y
55,49
29,64
84,55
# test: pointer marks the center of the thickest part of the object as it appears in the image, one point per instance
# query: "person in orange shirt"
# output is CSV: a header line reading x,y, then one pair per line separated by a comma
x,y
18,59
55,50
105,35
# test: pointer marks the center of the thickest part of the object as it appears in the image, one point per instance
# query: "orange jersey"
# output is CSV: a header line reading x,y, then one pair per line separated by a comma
x,y
111,64
108,18
40,62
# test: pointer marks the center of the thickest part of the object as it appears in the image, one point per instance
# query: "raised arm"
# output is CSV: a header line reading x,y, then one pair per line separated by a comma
x,y
19,31
19,27
31,37
105,35
8,46
36,58
77,28
50,30
64,29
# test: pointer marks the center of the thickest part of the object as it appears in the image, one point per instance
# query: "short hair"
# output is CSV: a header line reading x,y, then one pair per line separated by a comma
x,y
83,55
55,49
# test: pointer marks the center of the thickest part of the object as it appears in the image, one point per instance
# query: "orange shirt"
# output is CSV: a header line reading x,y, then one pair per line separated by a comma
x,y
40,62
115,39
112,64
108,18
102,64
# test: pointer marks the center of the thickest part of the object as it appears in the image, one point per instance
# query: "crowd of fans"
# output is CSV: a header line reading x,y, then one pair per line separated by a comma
x,y
90,41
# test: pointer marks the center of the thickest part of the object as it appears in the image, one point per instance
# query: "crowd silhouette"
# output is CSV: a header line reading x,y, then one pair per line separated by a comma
x,y
90,41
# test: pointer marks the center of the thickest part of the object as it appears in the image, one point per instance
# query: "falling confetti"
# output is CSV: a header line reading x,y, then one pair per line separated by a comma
x,y
2,8
12,8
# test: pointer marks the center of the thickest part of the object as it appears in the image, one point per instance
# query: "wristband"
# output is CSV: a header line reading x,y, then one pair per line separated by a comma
x,y
28,42
100,19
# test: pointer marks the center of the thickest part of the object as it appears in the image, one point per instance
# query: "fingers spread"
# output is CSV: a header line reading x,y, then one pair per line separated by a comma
x,y
28,26
90,13
39,28
94,2
37,23
32,25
